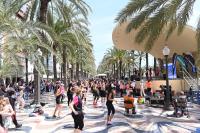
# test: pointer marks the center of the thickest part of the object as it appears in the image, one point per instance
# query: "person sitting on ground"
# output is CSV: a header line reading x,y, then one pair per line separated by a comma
x,y
129,102
180,103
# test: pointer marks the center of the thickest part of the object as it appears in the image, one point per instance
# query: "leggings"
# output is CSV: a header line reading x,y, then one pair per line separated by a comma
x,y
78,121
110,108
96,97
122,92
70,98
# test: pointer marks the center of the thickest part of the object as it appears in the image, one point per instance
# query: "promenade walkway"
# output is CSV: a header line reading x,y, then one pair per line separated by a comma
x,y
147,119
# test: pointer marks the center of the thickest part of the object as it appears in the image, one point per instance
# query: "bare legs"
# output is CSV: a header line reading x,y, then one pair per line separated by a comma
x,y
77,131
57,109
109,118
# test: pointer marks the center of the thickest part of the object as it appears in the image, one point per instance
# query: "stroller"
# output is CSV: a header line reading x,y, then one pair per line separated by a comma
x,y
180,103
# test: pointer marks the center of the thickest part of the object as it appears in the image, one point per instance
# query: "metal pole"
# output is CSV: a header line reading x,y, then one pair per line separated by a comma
x,y
167,99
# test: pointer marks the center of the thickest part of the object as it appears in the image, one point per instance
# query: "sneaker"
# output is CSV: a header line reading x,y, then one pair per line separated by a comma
x,y
109,123
18,125
54,116
133,112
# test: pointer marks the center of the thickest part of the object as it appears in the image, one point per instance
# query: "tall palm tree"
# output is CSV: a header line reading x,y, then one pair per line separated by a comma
x,y
59,7
152,16
20,36
116,59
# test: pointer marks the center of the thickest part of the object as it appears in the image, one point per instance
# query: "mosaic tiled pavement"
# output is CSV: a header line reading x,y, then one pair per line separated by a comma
x,y
147,119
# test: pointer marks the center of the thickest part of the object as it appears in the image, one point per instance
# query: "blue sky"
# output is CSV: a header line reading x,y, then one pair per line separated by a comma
x,y
102,23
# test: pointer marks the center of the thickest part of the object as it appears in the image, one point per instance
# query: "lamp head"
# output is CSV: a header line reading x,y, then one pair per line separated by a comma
x,y
166,51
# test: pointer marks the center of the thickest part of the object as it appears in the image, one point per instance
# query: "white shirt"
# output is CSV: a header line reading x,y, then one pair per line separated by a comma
x,y
141,85
133,84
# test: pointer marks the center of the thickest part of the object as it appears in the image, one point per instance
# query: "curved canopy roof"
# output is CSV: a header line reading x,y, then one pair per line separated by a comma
x,y
183,43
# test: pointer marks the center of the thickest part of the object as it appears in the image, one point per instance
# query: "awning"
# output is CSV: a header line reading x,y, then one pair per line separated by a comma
x,y
186,42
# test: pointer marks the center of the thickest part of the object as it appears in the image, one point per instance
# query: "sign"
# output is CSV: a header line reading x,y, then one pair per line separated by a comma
x,y
171,73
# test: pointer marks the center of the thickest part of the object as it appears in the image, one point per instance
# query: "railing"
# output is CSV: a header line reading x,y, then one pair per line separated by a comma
x,y
192,82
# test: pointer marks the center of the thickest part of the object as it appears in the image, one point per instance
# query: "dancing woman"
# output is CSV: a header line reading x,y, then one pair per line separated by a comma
x,y
77,113
109,104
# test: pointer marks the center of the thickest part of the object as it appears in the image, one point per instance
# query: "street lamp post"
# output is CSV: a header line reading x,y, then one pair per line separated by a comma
x,y
166,52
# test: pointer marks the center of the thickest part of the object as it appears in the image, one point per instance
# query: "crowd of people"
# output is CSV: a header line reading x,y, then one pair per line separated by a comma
x,y
14,95
8,98
104,92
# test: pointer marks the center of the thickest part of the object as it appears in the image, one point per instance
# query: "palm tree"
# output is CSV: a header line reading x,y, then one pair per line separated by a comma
x,y
117,59
152,16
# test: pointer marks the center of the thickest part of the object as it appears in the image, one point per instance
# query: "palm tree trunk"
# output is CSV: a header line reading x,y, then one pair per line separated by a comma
x,y
124,73
47,62
140,67
42,18
72,72
77,70
54,64
43,10
26,61
154,66
147,66
120,69
82,74
147,61
114,73
64,67
61,71
129,71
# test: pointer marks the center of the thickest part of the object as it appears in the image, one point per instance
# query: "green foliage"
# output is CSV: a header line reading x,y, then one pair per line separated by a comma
x,y
66,26
151,17
113,56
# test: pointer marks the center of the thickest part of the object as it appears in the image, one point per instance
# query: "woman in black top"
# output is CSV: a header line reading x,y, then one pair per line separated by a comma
x,y
58,95
70,93
109,104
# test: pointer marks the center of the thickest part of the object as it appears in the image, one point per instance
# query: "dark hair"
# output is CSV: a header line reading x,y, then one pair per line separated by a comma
x,y
109,88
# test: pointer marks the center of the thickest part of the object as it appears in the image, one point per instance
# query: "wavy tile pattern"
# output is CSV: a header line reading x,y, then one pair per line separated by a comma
x,y
147,119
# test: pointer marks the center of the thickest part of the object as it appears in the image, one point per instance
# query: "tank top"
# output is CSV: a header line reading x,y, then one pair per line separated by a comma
x,y
112,97
78,105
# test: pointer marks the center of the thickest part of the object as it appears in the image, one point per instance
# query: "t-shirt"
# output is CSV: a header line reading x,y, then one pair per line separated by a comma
x,y
148,84
121,86
77,103
133,84
142,85
127,86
